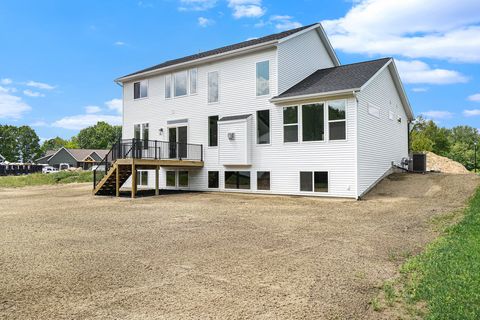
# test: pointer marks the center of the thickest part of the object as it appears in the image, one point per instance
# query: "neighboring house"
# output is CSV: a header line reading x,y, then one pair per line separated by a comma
x,y
277,114
76,158
2,159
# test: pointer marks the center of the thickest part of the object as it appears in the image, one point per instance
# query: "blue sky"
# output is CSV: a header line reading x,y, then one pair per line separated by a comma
x,y
59,58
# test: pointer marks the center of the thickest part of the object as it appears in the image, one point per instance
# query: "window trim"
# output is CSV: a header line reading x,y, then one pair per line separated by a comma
x,y
208,133
269,181
291,124
218,179
190,81
326,124
346,121
165,87
148,90
256,80
187,84
237,172
325,130
313,182
269,128
218,87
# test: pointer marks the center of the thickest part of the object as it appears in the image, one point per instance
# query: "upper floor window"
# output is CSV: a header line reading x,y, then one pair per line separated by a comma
x,y
337,120
168,86
180,84
263,127
263,78
140,89
193,81
312,122
213,86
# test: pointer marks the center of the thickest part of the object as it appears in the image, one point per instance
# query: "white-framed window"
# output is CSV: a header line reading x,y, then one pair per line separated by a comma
x,y
337,120
180,82
193,80
373,111
263,180
263,78
290,124
213,86
391,115
314,181
142,178
313,122
263,127
140,89
168,86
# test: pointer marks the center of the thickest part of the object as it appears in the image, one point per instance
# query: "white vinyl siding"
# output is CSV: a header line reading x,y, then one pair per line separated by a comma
x,y
381,141
237,96
299,57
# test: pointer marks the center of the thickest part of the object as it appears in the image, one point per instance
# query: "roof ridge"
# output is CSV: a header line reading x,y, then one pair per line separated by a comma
x,y
222,49
354,63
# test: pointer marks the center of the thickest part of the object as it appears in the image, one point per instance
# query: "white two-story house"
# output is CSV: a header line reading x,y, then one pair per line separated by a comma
x,y
273,115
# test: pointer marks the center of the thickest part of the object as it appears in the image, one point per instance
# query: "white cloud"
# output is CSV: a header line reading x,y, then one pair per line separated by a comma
x,y
92,109
471,112
284,22
119,43
474,97
419,89
33,94
246,8
6,81
39,123
12,107
205,22
7,90
79,122
416,71
115,104
444,29
437,114
196,5
40,85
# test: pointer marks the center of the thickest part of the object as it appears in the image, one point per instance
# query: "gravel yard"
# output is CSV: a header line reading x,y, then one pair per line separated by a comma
x,y
65,254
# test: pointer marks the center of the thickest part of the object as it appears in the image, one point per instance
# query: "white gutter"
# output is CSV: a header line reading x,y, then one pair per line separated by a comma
x,y
315,95
198,61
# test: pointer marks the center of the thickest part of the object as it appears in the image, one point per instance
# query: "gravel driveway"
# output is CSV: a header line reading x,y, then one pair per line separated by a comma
x,y
65,254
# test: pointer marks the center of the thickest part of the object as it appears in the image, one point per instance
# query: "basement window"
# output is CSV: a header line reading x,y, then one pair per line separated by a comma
x,y
171,179
337,124
140,89
316,181
263,180
183,179
237,179
213,178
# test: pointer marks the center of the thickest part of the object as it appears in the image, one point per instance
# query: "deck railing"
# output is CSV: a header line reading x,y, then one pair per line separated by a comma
x,y
146,149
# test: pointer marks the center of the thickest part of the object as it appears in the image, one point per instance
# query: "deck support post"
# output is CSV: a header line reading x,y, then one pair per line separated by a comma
x,y
157,191
117,181
134,179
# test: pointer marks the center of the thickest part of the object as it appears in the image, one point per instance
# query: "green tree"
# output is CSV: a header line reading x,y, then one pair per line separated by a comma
x,y
420,142
100,136
8,143
53,144
28,144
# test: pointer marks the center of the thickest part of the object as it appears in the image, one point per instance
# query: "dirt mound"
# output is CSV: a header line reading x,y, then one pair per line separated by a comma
x,y
443,164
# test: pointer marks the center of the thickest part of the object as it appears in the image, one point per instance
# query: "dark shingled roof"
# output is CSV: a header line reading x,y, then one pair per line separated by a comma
x,y
238,117
244,44
348,76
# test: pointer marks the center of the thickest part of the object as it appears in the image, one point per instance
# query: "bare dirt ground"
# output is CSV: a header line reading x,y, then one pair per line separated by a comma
x,y
65,254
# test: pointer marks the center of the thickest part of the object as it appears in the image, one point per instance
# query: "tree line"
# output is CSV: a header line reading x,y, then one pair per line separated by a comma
x,y
22,144
457,143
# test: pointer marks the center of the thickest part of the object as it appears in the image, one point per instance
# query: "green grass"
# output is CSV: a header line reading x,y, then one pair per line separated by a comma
x,y
37,179
446,277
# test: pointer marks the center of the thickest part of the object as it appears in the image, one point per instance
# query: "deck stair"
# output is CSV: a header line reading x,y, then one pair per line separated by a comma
x,y
127,156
